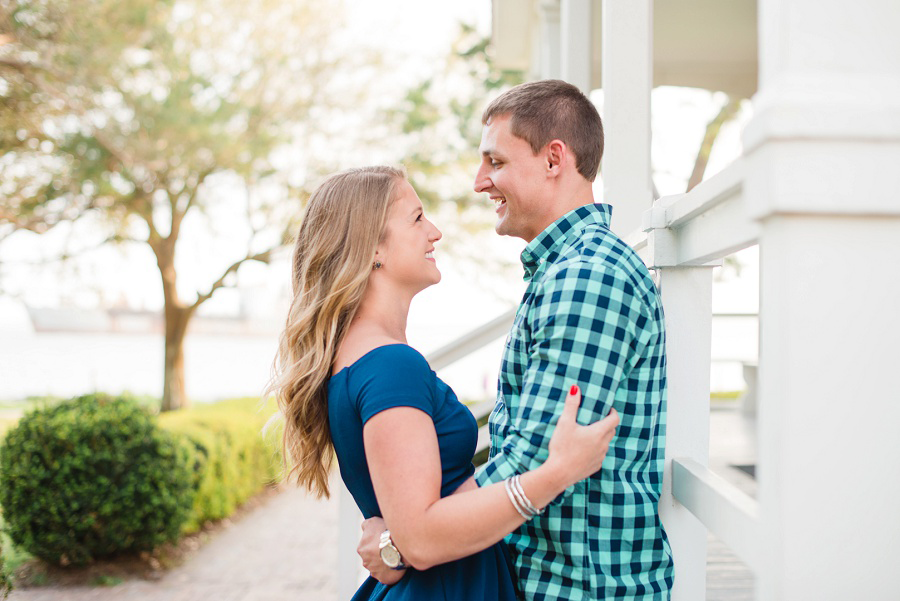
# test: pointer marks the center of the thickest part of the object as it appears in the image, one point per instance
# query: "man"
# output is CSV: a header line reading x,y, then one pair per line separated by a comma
x,y
592,315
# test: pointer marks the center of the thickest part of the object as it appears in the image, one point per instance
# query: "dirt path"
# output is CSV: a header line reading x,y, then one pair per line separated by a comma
x,y
284,550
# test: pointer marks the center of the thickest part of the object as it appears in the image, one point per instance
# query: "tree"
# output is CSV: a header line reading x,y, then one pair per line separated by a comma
x,y
146,113
728,112
440,118
730,109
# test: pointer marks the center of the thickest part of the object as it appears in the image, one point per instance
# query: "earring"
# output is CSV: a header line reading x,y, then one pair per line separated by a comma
x,y
376,265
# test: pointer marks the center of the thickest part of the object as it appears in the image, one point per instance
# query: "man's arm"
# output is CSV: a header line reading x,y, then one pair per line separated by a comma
x,y
587,327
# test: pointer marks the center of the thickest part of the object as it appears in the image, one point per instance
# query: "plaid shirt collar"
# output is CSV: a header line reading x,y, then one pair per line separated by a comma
x,y
545,246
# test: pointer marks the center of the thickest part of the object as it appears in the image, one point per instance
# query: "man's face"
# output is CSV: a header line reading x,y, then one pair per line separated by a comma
x,y
515,180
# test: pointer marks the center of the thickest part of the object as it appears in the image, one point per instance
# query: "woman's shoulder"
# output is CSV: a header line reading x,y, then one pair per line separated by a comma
x,y
378,353
386,376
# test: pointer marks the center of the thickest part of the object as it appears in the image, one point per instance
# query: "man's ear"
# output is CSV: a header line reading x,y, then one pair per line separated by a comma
x,y
556,156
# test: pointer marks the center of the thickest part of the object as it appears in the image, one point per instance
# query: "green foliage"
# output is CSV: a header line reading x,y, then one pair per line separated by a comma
x,y
441,120
146,117
126,108
11,557
231,459
5,581
106,580
92,478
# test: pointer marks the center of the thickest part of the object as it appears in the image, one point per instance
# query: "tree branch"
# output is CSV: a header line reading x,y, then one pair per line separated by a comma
x,y
263,257
712,132
178,214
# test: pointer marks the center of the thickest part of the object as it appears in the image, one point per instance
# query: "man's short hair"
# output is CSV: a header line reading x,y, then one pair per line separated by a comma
x,y
550,109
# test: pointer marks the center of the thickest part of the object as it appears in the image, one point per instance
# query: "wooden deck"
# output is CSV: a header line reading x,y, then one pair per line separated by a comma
x,y
732,442
727,579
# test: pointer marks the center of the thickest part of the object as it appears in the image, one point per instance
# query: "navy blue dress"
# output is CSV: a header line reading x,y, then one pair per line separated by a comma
x,y
398,376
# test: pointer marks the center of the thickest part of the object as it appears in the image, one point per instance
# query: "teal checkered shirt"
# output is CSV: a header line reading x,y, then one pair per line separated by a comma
x,y
591,315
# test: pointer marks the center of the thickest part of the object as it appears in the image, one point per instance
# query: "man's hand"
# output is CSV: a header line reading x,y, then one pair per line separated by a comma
x,y
371,555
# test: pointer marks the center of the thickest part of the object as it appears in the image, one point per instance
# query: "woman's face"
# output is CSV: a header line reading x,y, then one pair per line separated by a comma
x,y
406,253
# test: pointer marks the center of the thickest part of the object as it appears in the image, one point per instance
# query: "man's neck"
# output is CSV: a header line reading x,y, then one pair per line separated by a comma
x,y
565,200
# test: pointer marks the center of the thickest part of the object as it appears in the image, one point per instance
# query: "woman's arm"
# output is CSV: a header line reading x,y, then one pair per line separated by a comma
x,y
404,462
368,548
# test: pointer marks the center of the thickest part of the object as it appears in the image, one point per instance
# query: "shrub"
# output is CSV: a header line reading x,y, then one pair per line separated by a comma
x,y
231,460
5,581
91,478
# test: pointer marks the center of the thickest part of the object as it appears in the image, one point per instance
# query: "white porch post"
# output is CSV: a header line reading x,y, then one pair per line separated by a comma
x,y
823,152
550,57
627,81
687,298
576,43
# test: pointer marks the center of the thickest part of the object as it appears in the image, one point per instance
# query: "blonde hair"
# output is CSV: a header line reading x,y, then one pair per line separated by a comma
x,y
333,255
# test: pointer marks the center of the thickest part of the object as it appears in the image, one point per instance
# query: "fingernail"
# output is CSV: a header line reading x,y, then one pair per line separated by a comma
x,y
574,390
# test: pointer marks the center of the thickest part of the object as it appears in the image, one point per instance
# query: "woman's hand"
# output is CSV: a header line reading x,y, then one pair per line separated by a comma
x,y
370,553
576,451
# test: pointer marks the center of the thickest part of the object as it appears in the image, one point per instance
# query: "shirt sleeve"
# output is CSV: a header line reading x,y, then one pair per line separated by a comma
x,y
588,326
393,376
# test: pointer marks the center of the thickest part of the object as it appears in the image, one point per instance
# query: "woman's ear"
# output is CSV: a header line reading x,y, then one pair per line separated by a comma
x,y
376,262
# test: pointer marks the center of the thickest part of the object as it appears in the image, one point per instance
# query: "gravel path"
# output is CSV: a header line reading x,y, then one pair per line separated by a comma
x,y
284,550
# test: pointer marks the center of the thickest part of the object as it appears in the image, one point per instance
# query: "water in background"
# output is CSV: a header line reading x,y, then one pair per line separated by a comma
x,y
217,366
225,365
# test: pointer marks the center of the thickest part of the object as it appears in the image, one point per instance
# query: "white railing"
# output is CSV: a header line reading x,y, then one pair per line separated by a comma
x,y
726,511
707,224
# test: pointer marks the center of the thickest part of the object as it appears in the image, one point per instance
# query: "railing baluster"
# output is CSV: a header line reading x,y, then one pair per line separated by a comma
x,y
687,298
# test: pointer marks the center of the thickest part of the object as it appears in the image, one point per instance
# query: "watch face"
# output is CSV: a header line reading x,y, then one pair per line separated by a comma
x,y
390,556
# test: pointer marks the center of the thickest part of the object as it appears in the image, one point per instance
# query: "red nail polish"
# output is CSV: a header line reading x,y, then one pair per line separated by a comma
x,y
574,390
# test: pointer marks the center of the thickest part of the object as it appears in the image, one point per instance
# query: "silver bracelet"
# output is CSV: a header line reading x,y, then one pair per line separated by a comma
x,y
520,500
517,486
512,499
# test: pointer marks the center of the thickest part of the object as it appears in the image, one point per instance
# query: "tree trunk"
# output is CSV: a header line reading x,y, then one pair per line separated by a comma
x,y
174,396
177,317
728,112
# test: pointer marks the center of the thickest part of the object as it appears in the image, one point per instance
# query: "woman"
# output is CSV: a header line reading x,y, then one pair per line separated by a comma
x,y
347,381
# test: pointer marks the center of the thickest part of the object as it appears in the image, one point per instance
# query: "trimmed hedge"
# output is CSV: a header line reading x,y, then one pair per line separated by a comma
x,y
222,461
231,460
93,477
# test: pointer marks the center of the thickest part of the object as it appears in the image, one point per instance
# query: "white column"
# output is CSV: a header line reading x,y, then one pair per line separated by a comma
x,y
823,153
576,43
627,82
550,40
687,299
